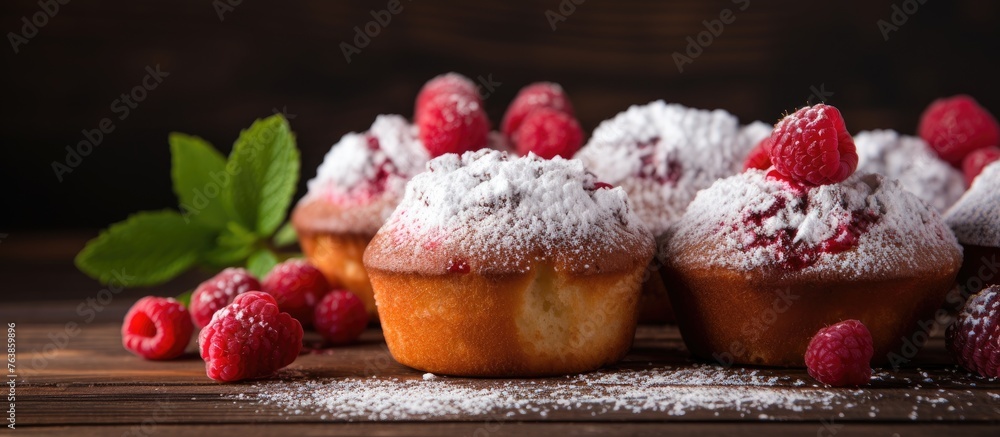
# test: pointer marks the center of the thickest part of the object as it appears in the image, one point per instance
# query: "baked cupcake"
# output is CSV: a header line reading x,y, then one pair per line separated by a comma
x,y
763,260
662,154
913,163
500,266
355,190
975,219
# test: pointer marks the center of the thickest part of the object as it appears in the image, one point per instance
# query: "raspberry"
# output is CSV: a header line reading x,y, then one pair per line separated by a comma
x,y
297,286
220,291
157,328
549,133
813,146
250,338
452,123
450,83
975,162
974,339
956,126
840,354
760,156
534,96
341,317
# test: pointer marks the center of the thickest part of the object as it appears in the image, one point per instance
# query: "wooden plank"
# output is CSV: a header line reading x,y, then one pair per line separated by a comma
x,y
92,380
525,429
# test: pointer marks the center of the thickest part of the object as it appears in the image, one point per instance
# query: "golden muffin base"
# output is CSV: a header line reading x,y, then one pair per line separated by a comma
x,y
339,257
740,317
538,323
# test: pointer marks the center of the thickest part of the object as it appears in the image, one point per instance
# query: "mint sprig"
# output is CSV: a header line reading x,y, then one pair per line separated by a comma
x,y
229,211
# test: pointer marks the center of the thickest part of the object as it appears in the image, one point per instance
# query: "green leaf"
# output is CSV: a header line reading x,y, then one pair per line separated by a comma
x,y
148,248
265,168
200,178
285,236
233,245
185,298
261,262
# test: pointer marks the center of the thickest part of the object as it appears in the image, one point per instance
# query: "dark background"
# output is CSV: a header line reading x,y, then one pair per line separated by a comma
x,y
266,55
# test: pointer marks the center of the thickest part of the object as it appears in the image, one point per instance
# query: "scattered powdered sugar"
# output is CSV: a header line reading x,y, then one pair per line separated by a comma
x,y
495,212
673,391
976,217
365,173
662,154
865,225
911,161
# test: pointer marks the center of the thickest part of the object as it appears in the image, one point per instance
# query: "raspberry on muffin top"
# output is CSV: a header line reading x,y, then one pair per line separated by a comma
x,y
867,224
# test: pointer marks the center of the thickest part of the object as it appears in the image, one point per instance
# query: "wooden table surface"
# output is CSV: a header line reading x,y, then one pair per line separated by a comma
x,y
86,384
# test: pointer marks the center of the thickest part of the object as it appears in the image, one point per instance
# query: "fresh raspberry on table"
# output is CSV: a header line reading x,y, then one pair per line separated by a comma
x,y
215,293
448,83
452,123
813,146
297,286
549,133
760,156
956,126
341,317
249,339
840,355
975,162
974,339
157,328
534,96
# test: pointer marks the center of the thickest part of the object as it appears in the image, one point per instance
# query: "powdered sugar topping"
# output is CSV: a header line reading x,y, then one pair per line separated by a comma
x,y
363,177
911,161
864,225
975,218
662,154
496,212
390,145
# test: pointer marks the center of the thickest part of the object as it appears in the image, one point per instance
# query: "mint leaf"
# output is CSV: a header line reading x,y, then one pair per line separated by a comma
x,y
200,178
265,168
185,298
261,262
148,248
285,236
233,245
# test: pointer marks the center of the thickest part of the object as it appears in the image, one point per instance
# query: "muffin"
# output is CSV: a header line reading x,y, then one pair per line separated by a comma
x,y
761,264
662,154
912,162
975,219
356,188
500,266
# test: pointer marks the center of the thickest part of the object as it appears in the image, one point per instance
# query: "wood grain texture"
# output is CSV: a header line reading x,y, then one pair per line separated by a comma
x,y
92,386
